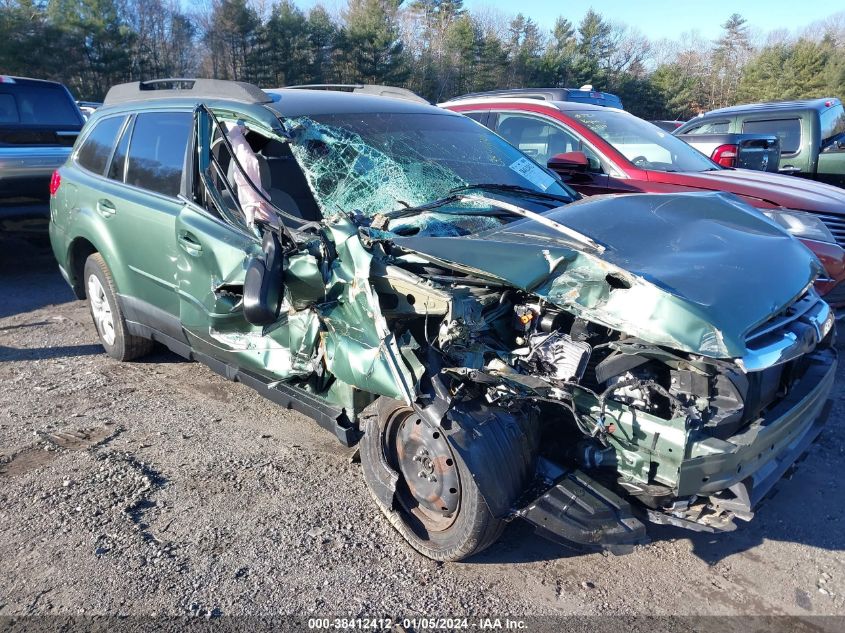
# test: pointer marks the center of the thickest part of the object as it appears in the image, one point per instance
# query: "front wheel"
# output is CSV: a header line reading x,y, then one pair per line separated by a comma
x,y
107,315
437,507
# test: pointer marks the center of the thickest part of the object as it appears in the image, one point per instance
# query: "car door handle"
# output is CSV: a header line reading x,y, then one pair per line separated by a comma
x,y
105,208
189,243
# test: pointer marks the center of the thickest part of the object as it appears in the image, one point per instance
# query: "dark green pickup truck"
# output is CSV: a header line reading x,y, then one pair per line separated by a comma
x,y
811,132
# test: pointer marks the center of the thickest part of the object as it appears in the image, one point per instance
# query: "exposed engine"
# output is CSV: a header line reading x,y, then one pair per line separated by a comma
x,y
509,348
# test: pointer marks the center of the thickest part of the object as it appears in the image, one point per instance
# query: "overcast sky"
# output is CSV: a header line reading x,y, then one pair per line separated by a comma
x,y
658,18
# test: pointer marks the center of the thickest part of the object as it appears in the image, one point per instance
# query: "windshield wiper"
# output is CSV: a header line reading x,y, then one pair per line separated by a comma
x,y
492,186
428,206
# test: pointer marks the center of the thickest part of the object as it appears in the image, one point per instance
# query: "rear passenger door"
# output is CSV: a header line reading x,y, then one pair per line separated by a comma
x,y
141,212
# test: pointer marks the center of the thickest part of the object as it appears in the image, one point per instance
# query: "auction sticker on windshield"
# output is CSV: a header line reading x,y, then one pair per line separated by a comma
x,y
529,170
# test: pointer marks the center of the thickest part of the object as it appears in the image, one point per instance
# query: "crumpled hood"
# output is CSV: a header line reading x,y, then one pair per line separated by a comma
x,y
690,271
787,191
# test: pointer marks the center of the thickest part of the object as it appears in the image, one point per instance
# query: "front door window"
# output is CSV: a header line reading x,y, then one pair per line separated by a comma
x,y
541,139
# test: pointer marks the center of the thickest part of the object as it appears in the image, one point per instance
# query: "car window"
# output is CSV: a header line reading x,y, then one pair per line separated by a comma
x,y
118,161
157,151
645,145
541,139
475,116
46,104
380,162
832,124
710,127
97,147
787,130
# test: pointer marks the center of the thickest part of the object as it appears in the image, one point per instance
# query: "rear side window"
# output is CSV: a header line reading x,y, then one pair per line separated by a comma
x,y
787,130
97,147
37,105
157,151
475,116
710,127
118,161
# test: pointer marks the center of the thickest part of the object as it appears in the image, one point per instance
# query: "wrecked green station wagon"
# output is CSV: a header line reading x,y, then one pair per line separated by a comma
x,y
497,347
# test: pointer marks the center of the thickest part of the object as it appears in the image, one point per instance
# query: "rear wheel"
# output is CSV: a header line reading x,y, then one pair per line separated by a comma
x,y
437,506
107,315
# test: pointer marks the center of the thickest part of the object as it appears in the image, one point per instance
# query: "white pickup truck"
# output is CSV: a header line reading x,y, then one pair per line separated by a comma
x,y
39,122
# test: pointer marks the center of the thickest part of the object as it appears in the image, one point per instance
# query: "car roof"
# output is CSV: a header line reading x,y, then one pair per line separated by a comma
x,y
547,94
9,79
574,106
773,106
283,102
294,102
561,106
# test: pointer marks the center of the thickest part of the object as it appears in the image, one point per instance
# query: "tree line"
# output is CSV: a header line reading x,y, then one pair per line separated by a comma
x,y
437,48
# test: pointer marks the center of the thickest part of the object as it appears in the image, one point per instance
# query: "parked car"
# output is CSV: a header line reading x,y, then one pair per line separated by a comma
x,y
811,132
667,126
39,122
745,151
601,150
499,347
584,94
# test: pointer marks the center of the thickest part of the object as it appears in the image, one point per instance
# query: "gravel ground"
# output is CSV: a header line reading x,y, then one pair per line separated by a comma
x,y
157,487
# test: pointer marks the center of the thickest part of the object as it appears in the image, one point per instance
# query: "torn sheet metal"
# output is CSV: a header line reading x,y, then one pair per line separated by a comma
x,y
289,351
360,349
659,277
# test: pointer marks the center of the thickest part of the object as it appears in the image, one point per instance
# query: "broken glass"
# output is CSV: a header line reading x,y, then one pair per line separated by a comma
x,y
373,163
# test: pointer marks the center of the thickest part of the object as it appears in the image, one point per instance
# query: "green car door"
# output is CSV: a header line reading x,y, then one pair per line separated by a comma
x,y
214,247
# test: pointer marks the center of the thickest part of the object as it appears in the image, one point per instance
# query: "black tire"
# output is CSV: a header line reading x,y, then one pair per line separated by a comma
x,y
124,345
469,530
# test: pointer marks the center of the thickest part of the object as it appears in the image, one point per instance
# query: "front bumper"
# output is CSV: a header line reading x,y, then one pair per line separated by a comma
x,y
729,478
718,481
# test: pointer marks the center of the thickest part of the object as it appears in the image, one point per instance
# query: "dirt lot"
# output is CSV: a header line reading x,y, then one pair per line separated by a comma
x,y
157,487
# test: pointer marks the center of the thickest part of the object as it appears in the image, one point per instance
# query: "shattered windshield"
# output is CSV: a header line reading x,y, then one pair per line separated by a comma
x,y
644,144
374,163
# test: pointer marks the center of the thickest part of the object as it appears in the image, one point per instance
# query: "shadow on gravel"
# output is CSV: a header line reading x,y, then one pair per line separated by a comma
x,y
29,277
45,353
160,355
808,509
520,544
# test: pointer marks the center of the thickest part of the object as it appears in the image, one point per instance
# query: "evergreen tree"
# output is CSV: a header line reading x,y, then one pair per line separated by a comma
x,y
525,46
96,39
595,46
322,35
557,63
729,57
232,39
285,50
370,49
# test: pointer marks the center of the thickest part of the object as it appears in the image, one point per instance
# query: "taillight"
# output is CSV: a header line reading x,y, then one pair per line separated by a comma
x,y
55,182
725,155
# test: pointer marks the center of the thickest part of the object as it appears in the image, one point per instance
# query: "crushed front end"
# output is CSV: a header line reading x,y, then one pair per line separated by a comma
x,y
667,418
592,366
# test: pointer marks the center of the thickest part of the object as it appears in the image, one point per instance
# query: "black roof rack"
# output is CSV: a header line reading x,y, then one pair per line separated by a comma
x,y
181,87
370,89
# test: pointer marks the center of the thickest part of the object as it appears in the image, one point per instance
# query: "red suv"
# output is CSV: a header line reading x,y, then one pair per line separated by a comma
x,y
599,150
